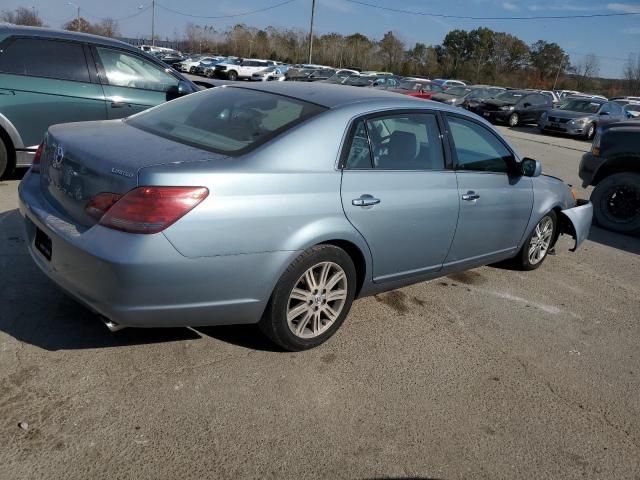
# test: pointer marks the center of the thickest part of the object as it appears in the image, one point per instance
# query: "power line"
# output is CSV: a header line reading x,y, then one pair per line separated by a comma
x,y
465,17
226,16
138,12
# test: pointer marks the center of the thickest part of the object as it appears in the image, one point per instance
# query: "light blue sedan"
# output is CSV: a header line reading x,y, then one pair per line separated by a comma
x,y
279,204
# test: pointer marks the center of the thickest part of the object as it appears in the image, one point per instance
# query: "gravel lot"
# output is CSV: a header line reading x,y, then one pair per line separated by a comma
x,y
487,374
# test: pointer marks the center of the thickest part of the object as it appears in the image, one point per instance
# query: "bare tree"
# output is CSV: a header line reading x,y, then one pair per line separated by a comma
x,y
107,27
632,74
586,71
22,16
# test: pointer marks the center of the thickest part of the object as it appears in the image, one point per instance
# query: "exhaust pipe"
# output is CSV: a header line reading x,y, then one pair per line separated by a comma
x,y
112,326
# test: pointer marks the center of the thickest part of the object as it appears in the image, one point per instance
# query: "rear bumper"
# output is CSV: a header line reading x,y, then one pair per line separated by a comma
x,y
142,280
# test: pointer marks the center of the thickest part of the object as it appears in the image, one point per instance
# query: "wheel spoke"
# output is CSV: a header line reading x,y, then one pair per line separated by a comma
x,y
332,282
303,323
299,294
310,279
331,313
334,295
324,274
297,311
316,322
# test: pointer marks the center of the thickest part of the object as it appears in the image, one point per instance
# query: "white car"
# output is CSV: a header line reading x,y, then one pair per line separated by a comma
x,y
270,74
189,65
244,69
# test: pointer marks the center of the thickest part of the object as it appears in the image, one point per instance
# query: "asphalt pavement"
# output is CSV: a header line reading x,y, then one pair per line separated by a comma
x,y
487,374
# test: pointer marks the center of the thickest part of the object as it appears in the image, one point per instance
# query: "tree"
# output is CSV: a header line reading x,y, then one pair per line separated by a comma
x,y
78,25
392,51
107,27
585,71
632,74
480,44
548,60
455,51
22,16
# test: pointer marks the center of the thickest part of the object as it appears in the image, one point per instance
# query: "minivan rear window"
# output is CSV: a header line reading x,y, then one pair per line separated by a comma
x,y
225,120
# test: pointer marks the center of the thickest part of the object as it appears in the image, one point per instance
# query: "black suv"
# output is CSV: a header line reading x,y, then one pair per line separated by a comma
x,y
613,167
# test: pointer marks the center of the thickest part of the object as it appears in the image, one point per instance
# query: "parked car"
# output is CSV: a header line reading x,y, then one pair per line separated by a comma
x,y
190,65
210,71
385,82
632,109
171,59
424,89
340,77
625,100
375,73
449,83
270,74
452,96
207,65
45,78
242,70
183,215
562,94
613,168
460,96
586,95
555,98
515,107
581,116
478,94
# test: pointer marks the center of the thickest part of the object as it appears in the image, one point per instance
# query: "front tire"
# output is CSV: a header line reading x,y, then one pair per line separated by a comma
x,y
513,120
232,75
311,300
590,131
4,159
537,246
616,203
191,70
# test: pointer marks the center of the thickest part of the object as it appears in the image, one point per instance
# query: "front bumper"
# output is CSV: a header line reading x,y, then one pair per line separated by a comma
x,y
495,115
589,165
566,128
578,222
142,280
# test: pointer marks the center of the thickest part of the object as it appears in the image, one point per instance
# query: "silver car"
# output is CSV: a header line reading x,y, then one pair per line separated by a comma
x,y
279,204
581,117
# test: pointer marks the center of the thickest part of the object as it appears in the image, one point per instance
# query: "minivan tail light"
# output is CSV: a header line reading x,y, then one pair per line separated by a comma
x,y
152,209
35,165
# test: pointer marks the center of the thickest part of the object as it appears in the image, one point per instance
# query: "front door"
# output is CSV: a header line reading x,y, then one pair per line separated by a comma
x,y
131,82
495,203
397,192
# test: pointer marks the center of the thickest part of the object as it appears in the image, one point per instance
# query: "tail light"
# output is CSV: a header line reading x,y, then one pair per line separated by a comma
x,y
35,166
145,209
595,146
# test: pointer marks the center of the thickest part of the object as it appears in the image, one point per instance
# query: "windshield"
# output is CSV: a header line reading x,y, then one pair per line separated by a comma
x,y
458,91
359,81
584,106
410,86
509,96
225,120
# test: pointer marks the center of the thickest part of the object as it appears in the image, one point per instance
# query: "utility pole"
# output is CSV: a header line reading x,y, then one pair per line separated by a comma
x,y
153,23
313,11
557,74
78,17
77,14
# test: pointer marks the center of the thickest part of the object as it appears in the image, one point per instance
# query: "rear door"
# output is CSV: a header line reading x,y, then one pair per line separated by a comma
x,y
495,203
131,82
399,194
44,82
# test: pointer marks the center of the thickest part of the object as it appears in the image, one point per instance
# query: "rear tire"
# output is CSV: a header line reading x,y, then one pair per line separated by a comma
x,y
538,243
309,303
4,159
232,75
616,203
513,120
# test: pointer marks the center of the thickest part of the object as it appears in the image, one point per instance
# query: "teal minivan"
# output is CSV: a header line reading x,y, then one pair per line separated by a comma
x,y
51,76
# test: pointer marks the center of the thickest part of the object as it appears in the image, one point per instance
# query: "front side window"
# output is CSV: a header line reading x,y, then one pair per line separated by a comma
x,y
125,70
398,142
477,148
226,120
45,58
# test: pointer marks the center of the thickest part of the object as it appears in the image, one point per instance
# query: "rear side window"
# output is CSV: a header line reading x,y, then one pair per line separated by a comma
x,y
225,120
126,70
45,58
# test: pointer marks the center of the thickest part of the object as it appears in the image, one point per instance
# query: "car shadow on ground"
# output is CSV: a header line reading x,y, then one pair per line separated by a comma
x,y
627,243
247,336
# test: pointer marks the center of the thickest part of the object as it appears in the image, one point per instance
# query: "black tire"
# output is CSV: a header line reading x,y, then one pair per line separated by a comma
x,y
609,213
232,75
590,131
209,74
513,120
522,260
274,321
192,69
4,159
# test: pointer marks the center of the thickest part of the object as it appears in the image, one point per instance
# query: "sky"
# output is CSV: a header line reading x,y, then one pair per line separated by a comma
x,y
611,38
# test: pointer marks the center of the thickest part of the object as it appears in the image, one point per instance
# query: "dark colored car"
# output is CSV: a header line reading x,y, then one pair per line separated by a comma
x,y
424,89
515,107
50,76
478,95
613,167
581,116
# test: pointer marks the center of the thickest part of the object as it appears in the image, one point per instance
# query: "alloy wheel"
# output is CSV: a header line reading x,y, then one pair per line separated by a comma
x,y
540,240
317,299
513,120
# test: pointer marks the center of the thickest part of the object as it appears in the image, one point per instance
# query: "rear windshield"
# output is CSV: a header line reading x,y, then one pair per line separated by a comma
x,y
509,96
225,120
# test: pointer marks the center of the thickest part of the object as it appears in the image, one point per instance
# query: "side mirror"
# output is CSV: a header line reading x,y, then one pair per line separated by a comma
x,y
530,167
175,91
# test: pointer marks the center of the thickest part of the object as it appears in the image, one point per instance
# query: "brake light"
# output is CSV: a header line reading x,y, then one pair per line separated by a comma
x,y
152,209
35,166
99,204
595,146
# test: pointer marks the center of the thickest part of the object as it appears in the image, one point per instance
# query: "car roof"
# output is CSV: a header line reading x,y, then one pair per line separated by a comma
x,y
326,94
6,30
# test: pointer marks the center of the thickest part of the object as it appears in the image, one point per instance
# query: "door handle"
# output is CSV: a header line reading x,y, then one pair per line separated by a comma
x,y
7,92
470,196
120,104
365,201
